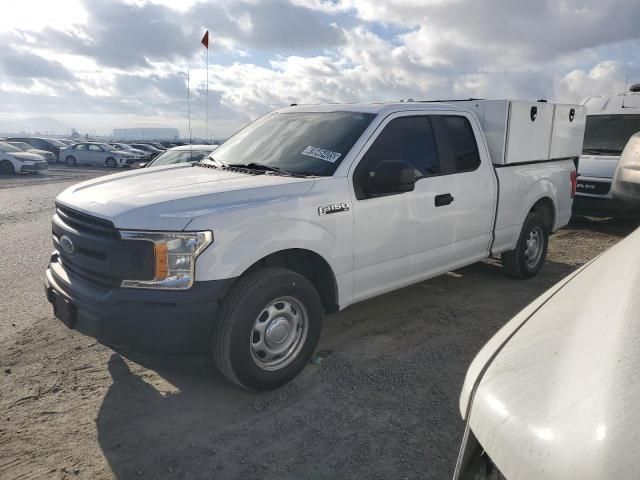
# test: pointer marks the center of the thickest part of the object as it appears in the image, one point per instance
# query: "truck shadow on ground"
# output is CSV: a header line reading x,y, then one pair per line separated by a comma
x,y
392,367
619,227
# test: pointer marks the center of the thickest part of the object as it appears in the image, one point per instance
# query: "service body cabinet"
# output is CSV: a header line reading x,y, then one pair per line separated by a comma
x,y
521,132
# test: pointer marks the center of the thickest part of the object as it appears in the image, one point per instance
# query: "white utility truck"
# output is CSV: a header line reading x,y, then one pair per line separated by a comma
x,y
608,179
305,211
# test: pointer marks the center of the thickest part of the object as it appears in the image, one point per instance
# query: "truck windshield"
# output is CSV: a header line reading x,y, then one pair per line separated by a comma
x,y
300,143
608,134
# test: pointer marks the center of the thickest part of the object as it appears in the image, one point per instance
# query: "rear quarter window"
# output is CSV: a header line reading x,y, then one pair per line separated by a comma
x,y
456,143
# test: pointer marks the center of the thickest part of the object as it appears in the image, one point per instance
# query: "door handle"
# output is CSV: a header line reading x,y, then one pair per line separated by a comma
x,y
444,199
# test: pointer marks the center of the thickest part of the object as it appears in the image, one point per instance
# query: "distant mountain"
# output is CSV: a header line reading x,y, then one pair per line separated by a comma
x,y
43,125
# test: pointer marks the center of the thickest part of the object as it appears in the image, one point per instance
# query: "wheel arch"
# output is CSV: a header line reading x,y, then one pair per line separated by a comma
x,y
310,265
545,207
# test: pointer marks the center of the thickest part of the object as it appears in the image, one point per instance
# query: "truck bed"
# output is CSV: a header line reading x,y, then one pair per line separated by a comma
x,y
519,187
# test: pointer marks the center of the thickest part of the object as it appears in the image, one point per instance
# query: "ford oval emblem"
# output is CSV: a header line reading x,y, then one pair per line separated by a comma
x,y
66,244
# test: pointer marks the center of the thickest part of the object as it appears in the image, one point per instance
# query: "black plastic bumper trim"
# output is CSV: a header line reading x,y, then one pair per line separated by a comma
x,y
140,320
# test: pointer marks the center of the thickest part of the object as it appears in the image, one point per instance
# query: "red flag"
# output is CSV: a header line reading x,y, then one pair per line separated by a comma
x,y
205,40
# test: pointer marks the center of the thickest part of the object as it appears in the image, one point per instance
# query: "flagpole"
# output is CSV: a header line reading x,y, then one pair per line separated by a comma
x,y
188,106
207,92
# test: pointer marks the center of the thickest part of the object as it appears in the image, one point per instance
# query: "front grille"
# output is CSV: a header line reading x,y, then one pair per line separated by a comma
x,y
96,254
593,187
92,278
84,223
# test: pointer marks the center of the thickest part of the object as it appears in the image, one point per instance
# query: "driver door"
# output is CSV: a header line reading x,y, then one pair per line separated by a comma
x,y
95,155
390,229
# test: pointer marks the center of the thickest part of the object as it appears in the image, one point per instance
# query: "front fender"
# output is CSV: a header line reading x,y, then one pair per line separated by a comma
x,y
233,252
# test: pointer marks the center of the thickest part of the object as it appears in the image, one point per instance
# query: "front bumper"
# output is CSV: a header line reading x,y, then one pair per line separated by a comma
x,y
138,319
34,167
604,206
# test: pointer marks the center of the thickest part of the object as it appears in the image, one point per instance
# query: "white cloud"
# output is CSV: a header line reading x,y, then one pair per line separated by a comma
x,y
606,78
104,65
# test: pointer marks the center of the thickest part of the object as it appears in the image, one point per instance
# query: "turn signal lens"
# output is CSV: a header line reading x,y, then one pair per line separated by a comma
x,y
162,261
574,183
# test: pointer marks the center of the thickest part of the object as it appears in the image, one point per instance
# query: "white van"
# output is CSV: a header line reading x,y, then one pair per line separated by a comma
x,y
611,122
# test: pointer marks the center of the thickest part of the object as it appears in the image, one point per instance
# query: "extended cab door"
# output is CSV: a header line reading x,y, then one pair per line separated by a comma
x,y
461,203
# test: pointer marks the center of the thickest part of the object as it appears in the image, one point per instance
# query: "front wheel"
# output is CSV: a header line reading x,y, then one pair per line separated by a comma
x,y
267,329
6,168
526,260
111,162
71,161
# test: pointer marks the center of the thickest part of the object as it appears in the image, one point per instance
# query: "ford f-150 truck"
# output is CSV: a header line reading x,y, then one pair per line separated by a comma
x,y
306,211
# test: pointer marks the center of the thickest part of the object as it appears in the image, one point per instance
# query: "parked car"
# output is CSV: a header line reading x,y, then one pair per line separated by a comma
x,y
49,144
25,147
185,154
128,148
553,394
305,211
14,160
153,151
611,122
67,141
90,153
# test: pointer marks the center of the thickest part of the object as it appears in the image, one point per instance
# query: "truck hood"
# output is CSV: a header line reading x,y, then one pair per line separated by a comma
x,y
169,197
559,399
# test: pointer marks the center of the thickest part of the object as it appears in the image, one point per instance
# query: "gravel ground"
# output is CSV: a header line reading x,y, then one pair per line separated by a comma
x,y
379,401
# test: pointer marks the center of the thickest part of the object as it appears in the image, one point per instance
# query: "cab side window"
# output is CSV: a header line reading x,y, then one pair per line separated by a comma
x,y
95,148
456,143
409,139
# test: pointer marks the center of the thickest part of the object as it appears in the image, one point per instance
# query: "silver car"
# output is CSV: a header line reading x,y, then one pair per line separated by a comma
x,y
91,153
182,154
129,149
25,147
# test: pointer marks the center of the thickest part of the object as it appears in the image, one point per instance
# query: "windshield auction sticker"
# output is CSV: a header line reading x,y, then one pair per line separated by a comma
x,y
321,153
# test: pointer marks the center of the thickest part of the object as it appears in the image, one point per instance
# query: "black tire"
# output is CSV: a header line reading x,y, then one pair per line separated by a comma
x,y
6,168
235,330
517,263
70,160
111,162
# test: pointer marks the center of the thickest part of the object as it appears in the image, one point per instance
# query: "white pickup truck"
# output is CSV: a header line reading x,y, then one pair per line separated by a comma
x,y
308,210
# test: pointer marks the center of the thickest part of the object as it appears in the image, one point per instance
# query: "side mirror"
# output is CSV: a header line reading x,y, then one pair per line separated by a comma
x,y
393,176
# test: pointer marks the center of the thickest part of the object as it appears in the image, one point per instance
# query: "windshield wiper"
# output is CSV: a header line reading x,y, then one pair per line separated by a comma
x,y
210,161
266,168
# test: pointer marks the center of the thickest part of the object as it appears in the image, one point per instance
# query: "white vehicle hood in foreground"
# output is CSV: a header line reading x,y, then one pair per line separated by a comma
x,y
561,399
168,198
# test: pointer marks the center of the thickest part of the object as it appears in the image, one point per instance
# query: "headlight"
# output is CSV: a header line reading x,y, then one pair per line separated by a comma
x,y
175,256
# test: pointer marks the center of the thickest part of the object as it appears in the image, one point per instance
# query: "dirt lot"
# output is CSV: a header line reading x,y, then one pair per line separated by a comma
x,y
379,401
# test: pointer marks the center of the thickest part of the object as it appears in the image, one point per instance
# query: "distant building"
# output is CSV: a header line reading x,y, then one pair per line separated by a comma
x,y
146,133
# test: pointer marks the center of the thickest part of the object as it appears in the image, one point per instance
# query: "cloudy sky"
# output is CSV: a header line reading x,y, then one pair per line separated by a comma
x,y
101,64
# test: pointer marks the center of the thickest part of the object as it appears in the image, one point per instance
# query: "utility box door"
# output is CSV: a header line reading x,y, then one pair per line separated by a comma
x,y
529,132
568,131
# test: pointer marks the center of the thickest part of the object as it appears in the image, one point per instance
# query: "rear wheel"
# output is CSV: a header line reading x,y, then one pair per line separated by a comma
x,y
267,329
71,161
111,162
526,260
6,168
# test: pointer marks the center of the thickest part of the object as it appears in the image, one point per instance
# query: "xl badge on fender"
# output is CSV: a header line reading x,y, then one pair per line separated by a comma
x,y
333,208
